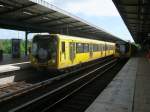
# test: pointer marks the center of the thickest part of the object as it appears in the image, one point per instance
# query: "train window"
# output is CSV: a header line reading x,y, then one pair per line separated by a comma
x,y
79,47
91,47
104,47
86,47
63,47
100,47
95,47
108,47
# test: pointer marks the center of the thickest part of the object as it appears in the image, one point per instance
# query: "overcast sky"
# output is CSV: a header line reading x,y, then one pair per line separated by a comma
x,y
101,13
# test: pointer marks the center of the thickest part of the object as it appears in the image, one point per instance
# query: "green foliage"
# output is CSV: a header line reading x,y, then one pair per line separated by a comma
x,y
5,45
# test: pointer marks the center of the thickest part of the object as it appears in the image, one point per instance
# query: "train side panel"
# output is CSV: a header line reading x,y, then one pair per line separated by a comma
x,y
68,55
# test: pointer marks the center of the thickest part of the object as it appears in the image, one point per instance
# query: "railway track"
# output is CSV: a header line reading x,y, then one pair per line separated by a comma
x,y
10,88
81,98
22,99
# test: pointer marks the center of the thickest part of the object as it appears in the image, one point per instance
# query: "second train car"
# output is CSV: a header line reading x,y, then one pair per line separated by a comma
x,y
57,51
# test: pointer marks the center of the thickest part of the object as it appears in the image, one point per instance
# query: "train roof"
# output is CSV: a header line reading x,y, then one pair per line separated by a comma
x,y
79,38
70,37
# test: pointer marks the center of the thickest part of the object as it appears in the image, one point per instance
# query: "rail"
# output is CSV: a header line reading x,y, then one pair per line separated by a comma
x,y
88,75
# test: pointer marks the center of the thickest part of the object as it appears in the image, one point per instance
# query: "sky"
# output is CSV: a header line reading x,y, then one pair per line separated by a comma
x,y
101,13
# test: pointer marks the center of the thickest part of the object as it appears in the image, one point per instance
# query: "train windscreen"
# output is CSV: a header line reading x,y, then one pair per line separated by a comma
x,y
44,47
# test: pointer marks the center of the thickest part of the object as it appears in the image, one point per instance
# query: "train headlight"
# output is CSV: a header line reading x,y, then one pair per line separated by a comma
x,y
53,61
42,53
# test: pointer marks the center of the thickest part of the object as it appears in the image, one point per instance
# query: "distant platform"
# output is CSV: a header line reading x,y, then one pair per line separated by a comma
x,y
7,59
9,64
128,92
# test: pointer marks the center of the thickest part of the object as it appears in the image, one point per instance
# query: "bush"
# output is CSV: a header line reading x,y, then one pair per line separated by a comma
x,y
5,45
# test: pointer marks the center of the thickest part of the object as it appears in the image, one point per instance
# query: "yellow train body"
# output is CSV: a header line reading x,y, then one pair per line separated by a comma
x,y
71,51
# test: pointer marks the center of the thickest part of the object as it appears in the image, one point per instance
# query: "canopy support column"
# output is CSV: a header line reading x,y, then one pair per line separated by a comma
x,y
26,43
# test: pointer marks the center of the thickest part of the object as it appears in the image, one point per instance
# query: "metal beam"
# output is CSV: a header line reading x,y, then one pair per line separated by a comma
x,y
52,20
86,29
16,9
80,26
36,16
23,26
74,27
9,3
135,13
133,4
62,24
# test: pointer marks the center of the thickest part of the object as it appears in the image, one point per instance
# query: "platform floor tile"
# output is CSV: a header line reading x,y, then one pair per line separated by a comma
x,y
118,95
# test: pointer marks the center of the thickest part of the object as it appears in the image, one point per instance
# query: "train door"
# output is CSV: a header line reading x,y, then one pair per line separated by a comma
x,y
100,49
105,49
72,51
63,53
91,50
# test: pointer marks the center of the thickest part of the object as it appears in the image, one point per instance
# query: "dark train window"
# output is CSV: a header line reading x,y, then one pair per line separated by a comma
x,y
112,47
95,47
104,47
80,47
90,47
63,47
86,47
100,47
108,47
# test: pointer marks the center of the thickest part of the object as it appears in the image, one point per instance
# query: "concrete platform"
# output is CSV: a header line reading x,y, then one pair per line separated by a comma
x,y
9,64
7,59
128,92
142,88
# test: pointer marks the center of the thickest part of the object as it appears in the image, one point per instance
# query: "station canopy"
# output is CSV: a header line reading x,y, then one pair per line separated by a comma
x,y
136,15
37,16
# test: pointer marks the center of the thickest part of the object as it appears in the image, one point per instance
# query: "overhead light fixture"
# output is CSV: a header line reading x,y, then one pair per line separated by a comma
x,y
142,10
45,18
28,13
1,5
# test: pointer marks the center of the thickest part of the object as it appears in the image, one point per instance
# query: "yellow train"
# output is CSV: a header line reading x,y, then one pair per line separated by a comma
x,y
57,51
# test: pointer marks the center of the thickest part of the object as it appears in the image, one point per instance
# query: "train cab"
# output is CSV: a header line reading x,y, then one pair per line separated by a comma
x,y
123,49
44,51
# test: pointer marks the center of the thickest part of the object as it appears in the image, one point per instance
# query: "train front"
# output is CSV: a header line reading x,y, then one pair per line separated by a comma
x,y
123,49
43,52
